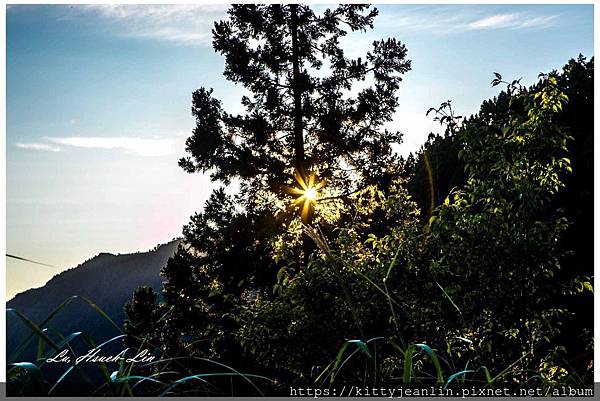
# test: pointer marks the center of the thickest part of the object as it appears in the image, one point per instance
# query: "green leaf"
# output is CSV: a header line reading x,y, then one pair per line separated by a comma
x,y
41,347
36,329
435,360
432,219
488,376
62,344
234,372
27,340
456,375
33,372
203,375
363,347
116,379
97,309
31,369
338,360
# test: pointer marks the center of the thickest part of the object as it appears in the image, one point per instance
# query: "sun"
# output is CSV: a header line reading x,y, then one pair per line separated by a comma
x,y
311,194
308,193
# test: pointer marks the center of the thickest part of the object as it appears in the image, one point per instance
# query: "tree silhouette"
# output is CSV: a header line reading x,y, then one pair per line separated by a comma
x,y
307,133
302,119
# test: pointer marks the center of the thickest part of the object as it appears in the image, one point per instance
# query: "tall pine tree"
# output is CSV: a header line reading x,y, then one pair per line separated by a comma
x,y
305,117
313,127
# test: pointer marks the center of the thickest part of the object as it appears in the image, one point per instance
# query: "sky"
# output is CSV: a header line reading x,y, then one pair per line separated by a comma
x,y
99,97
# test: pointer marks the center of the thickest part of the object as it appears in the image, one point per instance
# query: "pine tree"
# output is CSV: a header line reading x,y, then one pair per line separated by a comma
x,y
301,122
314,122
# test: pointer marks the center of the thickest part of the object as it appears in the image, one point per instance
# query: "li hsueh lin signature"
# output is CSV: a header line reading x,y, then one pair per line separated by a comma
x,y
94,356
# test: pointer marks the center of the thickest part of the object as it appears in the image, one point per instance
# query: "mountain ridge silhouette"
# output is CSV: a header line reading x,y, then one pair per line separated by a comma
x,y
108,280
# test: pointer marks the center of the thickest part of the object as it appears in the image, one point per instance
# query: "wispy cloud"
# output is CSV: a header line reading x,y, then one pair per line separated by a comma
x,y
513,21
134,145
137,145
495,21
448,20
182,23
38,146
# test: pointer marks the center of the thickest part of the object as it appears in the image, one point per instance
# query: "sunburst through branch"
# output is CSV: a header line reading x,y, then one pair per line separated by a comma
x,y
308,193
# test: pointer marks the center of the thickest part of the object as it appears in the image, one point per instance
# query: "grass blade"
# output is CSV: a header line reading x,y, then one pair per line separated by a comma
x,y
435,360
67,301
35,328
203,375
338,360
450,299
61,378
456,375
100,312
362,346
408,359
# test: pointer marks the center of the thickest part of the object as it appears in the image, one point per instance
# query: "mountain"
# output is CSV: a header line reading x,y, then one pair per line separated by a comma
x,y
107,280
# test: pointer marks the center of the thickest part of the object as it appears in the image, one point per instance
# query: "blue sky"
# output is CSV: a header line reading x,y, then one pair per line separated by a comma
x,y
98,108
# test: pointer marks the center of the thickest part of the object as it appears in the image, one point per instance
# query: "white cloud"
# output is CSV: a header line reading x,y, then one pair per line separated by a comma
x,y
136,145
538,22
182,23
150,147
514,21
495,21
38,146
446,20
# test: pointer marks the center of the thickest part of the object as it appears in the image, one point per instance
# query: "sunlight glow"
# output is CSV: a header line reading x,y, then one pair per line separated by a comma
x,y
311,194
308,193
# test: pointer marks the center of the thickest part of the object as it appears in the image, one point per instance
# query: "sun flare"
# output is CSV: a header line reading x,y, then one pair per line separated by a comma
x,y
308,193
311,194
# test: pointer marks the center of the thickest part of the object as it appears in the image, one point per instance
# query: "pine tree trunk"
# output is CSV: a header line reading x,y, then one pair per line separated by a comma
x,y
297,92
299,157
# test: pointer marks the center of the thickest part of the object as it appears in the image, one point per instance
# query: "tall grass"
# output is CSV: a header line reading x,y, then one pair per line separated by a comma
x,y
28,376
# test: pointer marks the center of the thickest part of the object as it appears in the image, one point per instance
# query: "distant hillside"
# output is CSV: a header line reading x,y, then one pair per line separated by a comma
x,y
108,280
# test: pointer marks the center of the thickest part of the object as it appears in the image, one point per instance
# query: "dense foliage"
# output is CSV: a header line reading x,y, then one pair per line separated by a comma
x,y
484,283
454,264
